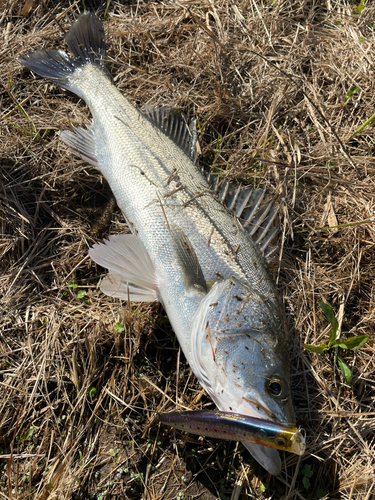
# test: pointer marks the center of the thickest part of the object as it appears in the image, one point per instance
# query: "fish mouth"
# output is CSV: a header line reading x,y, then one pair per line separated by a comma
x,y
238,427
260,408
276,407
279,432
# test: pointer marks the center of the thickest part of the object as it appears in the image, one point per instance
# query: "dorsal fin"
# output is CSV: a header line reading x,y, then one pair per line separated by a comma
x,y
174,124
253,208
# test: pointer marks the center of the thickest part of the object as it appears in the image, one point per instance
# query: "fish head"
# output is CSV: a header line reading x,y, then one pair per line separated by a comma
x,y
240,353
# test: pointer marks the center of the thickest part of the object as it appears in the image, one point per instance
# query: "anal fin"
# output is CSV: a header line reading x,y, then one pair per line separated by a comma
x,y
131,272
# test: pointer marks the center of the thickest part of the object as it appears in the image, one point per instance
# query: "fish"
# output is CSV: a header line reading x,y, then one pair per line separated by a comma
x,y
198,245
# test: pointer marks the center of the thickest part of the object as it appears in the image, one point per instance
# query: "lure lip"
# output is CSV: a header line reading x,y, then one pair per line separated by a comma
x,y
238,427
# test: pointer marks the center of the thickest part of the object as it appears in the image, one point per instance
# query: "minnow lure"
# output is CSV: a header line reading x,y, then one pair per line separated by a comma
x,y
235,427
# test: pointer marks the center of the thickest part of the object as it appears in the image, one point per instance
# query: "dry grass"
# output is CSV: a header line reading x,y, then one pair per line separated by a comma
x,y
267,79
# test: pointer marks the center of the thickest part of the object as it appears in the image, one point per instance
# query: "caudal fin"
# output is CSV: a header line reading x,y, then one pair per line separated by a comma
x,y
86,41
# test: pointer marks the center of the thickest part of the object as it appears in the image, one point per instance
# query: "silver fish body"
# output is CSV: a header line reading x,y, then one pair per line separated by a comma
x,y
187,249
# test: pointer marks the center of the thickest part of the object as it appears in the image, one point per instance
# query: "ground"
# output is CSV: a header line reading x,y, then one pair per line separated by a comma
x,y
282,91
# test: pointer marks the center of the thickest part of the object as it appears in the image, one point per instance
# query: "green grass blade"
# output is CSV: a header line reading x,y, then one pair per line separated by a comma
x,y
361,6
353,90
106,9
367,122
25,115
339,226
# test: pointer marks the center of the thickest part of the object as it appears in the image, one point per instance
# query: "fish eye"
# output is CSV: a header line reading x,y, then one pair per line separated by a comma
x,y
274,388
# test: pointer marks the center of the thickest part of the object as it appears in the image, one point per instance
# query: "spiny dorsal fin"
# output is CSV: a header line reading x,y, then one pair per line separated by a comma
x,y
131,272
253,208
175,125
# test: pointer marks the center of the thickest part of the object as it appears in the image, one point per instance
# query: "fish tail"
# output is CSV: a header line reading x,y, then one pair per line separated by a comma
x,y
86,41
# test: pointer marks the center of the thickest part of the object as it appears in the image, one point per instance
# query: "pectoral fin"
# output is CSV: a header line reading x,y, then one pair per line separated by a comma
x,y
131,272
192,272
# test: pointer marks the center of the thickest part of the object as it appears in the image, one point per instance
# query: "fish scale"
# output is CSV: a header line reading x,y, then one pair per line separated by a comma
x,y
187,250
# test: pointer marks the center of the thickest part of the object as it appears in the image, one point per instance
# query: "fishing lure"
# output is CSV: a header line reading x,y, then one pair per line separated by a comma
x,y
236,427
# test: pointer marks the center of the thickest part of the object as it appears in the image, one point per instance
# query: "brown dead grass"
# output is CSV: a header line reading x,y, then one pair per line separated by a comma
x,y
268,81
